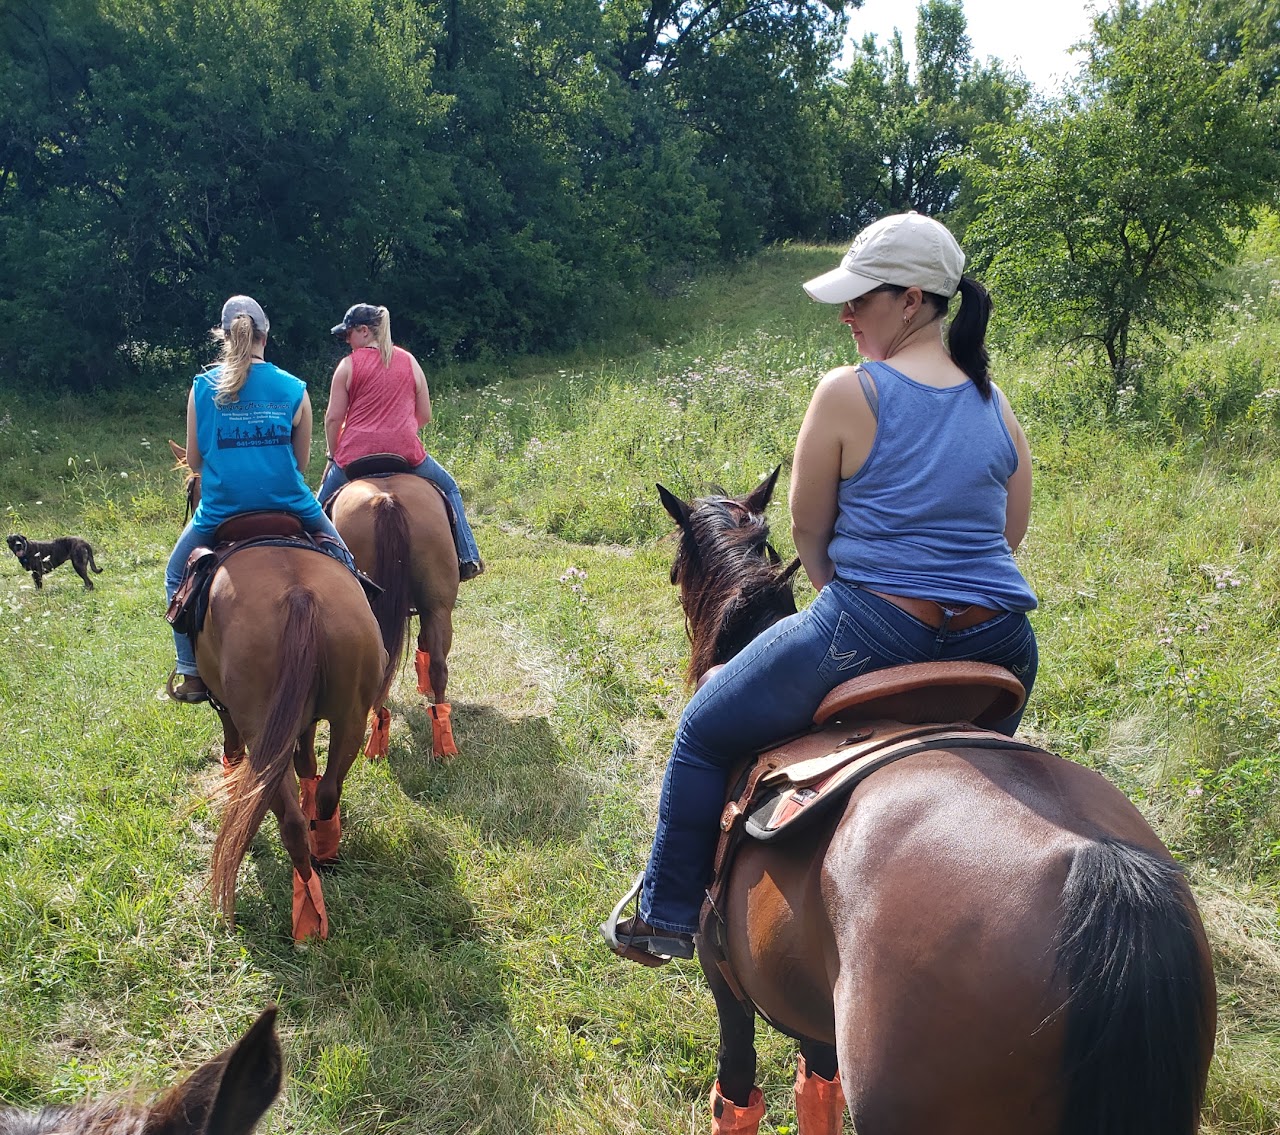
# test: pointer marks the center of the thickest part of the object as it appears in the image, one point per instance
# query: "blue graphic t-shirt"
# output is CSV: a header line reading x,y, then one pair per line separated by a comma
x,y
247,448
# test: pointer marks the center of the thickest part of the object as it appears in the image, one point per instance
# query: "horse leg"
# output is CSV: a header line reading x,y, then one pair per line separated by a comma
x,y
820,1104
435,637
737,1105
309,915
345,735
233,748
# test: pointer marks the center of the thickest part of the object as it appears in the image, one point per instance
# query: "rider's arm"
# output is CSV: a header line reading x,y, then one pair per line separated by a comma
x,y
1017,509
302,433
815,477
194,461
421,393
820,457
336,413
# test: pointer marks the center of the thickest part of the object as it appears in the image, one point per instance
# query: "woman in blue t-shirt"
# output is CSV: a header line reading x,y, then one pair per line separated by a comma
x,y
249,438
910,490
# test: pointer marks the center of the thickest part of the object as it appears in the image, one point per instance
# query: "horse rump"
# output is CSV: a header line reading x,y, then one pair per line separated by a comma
x,y
1140,1013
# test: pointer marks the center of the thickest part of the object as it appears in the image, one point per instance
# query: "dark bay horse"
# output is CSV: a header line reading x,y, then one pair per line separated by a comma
x,y
225,1096
288,641
397,527
978,942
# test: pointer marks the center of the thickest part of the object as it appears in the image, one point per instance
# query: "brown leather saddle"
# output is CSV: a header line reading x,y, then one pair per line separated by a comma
x,y
190,603
859,727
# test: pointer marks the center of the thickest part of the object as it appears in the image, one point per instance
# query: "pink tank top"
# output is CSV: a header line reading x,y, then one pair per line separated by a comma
x,y
381,405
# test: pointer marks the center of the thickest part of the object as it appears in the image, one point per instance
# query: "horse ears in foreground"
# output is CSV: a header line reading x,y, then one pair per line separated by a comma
x,y
230,1093
760,496
678,510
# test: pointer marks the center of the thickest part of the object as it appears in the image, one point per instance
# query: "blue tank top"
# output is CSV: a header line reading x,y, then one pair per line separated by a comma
x,y
247,448
925,515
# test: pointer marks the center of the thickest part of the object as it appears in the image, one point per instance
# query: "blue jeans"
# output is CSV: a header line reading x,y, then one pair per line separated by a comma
x,y
770,691
192,538
334,478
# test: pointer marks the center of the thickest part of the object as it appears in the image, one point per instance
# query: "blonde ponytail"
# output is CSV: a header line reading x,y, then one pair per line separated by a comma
x,y
382,335
235,358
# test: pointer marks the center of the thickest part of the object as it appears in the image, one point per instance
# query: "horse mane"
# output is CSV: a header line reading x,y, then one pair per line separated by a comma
x,y
731,583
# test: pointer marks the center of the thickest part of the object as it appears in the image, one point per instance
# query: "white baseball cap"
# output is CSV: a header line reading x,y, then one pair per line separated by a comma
x,y
906,250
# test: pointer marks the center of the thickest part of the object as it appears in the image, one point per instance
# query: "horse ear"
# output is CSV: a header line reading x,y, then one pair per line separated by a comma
x,y
758,501
179,452
675,506
230,1093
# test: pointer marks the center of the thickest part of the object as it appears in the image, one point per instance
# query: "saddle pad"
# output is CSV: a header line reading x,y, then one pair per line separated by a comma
x,y
784,805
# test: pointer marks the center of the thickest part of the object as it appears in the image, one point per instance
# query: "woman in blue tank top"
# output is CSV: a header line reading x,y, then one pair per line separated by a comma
x,y
910,490
249,438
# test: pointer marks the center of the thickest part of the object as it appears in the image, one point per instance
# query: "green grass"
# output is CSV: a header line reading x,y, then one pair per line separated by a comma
x,y
464,988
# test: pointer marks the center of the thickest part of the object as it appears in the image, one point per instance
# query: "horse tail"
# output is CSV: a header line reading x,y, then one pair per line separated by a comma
x,y
258,779
395,576
1140,1015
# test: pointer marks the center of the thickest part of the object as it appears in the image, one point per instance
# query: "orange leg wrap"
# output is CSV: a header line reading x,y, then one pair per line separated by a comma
x,y
325,835
309,916
442,742
422,666
820,1105
307,786
727,1118
230,760
379,733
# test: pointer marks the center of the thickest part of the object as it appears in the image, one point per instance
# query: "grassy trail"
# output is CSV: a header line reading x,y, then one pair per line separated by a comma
x,y
465,989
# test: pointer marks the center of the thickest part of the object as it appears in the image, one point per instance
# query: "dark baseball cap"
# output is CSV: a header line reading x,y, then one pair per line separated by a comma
x,y
358,315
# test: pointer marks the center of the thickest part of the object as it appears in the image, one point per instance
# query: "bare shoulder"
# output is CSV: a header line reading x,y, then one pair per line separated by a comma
x,y
840,384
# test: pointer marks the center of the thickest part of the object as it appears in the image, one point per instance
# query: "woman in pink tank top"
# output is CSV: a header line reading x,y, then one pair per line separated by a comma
x,y
378,402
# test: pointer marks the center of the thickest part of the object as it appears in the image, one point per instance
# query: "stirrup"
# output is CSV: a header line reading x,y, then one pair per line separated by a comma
x,y
187,697
655,948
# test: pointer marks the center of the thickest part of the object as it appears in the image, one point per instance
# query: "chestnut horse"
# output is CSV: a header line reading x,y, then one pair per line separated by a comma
x,y
225,1096
397,528
288,640
978,942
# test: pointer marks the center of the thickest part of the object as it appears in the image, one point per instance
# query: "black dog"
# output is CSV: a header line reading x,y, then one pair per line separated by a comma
x,y
41,556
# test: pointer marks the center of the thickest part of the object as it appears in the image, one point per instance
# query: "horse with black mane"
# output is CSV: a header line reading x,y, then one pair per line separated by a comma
x,y
982,937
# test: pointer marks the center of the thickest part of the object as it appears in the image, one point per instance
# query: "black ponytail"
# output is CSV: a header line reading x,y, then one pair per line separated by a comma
x,y
968,331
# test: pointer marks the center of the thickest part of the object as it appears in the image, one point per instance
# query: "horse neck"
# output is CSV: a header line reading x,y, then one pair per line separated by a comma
x,y
723,613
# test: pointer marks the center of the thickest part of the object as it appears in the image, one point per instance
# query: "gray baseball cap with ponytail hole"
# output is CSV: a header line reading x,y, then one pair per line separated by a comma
x,y
245,305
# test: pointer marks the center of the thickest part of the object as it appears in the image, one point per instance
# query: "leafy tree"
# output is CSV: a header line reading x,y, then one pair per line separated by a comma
x,y
898,136
1107,211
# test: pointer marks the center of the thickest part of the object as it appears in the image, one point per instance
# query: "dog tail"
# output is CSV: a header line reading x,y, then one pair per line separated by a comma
x,y
92,563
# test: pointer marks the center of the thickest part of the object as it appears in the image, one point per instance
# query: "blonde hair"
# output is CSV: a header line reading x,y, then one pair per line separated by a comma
x,y
235,358
382,335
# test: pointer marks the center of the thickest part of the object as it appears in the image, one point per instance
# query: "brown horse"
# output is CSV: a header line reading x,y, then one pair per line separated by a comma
x,y
397,527
225,1096
977,941
289,640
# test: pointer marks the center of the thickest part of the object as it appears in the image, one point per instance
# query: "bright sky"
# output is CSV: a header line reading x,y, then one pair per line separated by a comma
x,y
1033,35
